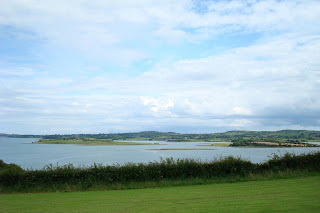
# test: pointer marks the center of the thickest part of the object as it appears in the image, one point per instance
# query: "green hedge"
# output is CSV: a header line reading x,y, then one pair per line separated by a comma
x,y
12,176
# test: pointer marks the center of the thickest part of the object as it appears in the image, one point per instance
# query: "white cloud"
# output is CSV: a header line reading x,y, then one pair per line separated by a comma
x,y
158,107
99,25
236,89
241,123
270,84
241,111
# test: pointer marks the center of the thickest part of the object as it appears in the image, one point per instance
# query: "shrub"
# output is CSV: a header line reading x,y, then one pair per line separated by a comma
x,y
82,178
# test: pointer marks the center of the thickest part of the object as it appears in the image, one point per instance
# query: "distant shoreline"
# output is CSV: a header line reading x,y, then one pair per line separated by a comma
x,y
89,142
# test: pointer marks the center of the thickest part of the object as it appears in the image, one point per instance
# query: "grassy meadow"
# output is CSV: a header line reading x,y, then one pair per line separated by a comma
x,y
299,194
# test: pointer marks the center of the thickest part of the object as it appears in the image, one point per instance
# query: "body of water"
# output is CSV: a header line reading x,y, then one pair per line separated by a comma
x,y
21,151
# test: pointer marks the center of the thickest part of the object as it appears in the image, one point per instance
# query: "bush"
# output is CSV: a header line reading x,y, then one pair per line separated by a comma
x,y
61,177
10,168
292,161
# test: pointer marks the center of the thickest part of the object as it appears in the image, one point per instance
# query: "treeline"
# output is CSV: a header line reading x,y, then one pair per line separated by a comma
x,y
15,179
293,136
274,143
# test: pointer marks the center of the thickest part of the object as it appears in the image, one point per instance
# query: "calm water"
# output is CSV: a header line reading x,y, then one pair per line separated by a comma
x,y
21,151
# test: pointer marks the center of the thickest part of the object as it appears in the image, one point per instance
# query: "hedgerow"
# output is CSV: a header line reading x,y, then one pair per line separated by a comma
x,y
14,178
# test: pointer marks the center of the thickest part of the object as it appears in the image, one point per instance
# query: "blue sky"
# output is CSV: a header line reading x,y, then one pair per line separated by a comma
x,y
185,66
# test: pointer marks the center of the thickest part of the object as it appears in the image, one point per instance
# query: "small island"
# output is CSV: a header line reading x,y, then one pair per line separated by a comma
x,y
270,143
88,141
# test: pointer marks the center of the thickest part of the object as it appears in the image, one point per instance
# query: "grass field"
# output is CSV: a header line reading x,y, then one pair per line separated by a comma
x,y
300,194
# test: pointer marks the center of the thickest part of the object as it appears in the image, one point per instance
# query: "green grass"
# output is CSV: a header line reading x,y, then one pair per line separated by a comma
x,y
92,142
300,194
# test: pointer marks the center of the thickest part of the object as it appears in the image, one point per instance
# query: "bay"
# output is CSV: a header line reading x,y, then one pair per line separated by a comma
x,y
21,151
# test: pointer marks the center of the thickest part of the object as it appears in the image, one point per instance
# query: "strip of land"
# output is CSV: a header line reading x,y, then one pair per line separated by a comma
x,y
286,136
283,138
280,144
181,149
300,194
216,144
106,142
92,142
244,143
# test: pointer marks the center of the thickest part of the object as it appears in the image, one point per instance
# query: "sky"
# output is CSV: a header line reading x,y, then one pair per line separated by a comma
x,y
89,66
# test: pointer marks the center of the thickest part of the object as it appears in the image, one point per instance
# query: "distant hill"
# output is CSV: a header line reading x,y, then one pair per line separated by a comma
x,y
270,136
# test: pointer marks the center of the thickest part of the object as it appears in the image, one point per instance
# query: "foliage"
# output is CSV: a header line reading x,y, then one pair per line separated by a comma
x,y
9,169
240,142
62,177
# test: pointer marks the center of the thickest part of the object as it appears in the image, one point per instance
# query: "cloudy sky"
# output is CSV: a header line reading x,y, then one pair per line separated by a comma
x,y
84,66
